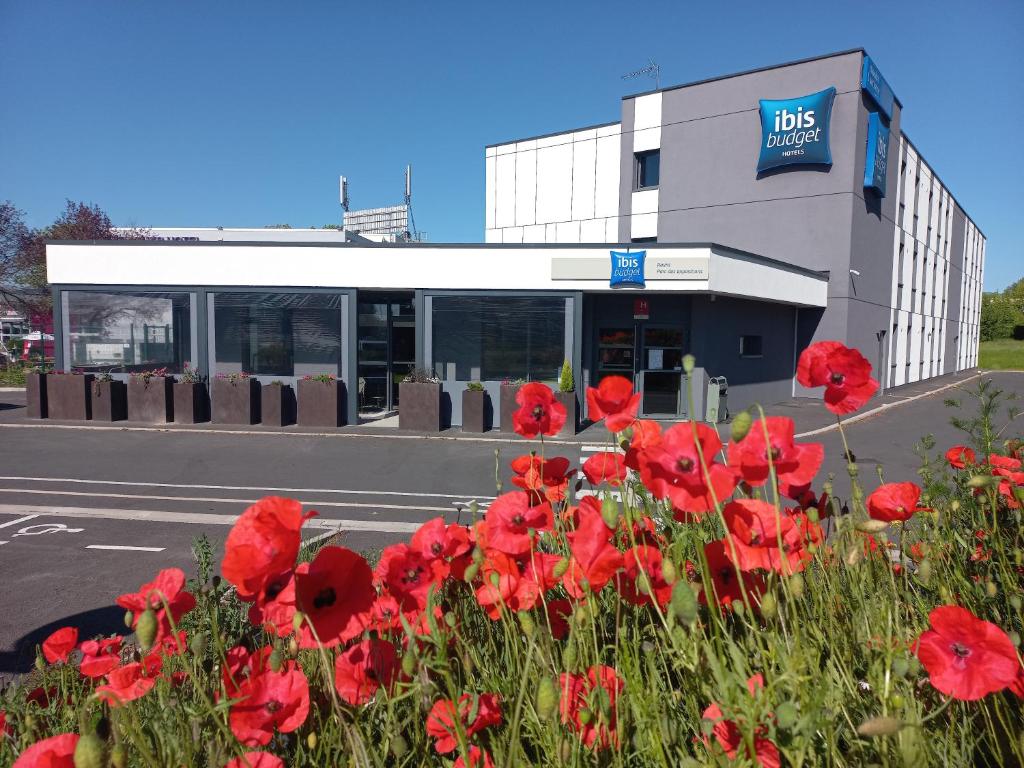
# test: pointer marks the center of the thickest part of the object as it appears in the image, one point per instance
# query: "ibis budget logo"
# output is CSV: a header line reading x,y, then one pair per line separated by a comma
x,y
795,131
628,269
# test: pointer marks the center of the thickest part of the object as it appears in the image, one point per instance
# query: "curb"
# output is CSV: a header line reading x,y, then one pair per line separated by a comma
x,y
12,389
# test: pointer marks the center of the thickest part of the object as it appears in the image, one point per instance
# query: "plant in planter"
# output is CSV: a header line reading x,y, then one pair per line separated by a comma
x,y
191,397
508,404
35,392
277,403
321,401
476,408
68,396
420,401
566,395
236,398
150,398
109,398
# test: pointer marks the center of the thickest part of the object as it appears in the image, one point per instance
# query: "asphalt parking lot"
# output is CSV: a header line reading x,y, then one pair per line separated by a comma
x,y
88,513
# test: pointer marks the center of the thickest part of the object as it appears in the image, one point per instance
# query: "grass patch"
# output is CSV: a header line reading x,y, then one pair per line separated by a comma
x,y
1001,354
12,376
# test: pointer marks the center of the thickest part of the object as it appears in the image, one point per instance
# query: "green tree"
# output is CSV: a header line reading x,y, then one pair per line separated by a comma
x,y
998,317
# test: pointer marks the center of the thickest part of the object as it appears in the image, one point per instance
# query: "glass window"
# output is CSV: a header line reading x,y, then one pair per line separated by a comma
x,y
123,332
491,339
751,346
277,334
648,169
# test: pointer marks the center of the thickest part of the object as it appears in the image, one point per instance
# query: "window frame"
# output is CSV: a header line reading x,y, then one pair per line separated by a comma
x,y
760,344
638,169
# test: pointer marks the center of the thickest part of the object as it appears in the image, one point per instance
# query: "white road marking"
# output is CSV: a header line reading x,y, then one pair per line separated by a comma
x,y
201,518
219,500
81,481
18,520
601,449
123,548
2,543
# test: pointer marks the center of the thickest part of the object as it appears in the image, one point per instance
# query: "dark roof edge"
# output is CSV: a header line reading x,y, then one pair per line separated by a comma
x,y
921,156
553,133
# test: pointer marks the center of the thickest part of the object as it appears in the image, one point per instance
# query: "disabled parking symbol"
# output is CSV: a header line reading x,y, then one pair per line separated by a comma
x,y
44,528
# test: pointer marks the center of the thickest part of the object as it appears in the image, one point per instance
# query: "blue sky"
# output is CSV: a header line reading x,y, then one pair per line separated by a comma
x,y
244,114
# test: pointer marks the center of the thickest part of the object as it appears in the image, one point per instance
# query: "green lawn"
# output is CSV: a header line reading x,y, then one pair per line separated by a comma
x,y
1001,354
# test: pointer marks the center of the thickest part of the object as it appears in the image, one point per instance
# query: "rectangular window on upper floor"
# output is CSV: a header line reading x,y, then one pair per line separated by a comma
x,y
648,170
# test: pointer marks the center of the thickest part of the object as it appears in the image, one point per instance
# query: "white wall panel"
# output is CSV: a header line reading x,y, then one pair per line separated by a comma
x,y
554,184
567,232
505,190
492,236
584,162
645,201
526,187
611,229
535,233
489,191
647,111
609,151
593,231
643,225
646,139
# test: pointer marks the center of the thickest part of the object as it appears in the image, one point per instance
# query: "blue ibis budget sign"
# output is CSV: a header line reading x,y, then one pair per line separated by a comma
x,y
872,82
628,269
795,131
876,159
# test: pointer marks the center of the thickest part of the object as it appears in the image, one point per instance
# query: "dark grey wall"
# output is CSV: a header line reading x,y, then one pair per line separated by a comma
x,y
956,274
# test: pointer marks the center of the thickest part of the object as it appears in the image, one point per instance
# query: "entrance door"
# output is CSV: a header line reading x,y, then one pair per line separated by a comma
x,y
652,356
387,349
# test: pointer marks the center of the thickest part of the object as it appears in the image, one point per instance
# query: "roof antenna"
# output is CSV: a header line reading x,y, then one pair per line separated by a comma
x,y
652,70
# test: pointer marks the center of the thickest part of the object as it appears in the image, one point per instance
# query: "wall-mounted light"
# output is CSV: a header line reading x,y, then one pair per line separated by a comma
x,y
855,273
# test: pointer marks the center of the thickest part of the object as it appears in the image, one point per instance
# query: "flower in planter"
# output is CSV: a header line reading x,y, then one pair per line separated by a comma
x,y
539,412
844,372
323,378
145,376
234,378
190,375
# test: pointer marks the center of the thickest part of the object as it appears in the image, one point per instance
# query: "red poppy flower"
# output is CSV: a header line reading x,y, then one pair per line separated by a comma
x,y
959,456
637,590
478,758
441,719
263,545
274,607
54,752
407,575
5,728
763,538
363,668
646,435
559,612
965,657
333,592
673,469
729,736
605,467
845,373
727,587
514,585
512,522
59,645
130,682
269,700
614,401
539,412
256,760
444,543
894,501
795,465
242,664
596,727
99,656
594,560
542,478
167,589
1009,470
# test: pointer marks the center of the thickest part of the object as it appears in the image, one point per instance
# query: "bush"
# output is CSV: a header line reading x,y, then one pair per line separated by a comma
x,y
690,612
565,380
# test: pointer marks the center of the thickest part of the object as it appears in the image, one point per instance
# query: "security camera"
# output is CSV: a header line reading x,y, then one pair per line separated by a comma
x,y
855,273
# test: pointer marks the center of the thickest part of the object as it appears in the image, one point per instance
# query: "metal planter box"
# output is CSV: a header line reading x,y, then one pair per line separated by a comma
x,y
568,399
68,397
236,402
508,406
277,403
476,411
321,403
419,406
109,400
35,394
150,400
191,403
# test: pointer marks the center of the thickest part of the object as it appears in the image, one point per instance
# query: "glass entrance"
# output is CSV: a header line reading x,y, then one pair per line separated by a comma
x,y
652,356
386,349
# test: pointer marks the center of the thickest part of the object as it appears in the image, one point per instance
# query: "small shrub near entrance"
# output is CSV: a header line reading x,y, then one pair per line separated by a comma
x,y
707,604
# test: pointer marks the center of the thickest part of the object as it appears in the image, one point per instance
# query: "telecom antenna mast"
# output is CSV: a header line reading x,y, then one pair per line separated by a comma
x,y
652,70
413,234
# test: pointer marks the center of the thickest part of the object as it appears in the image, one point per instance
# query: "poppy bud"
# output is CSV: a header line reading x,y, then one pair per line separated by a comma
x,y
610,512
924,571
118,757
769,606
880,726
399,746
689,362
740,426
409,664
1015,602
89,752
293,648
311,740
478,555
955,505
683,603
569,655
580,615
796,585
871,526
915,666
470,573
547,698
40,663
896,701
297,620
900,667
565,751
786,715
738,608
586,715
1014,638
979,481
198,645
146,629
276,660
1018,556
129,619
668,571
991,589
944,595
812,514
526,622
560,568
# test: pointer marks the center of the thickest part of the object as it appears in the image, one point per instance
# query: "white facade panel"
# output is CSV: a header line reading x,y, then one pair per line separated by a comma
x,y
643,225
584,166
606,177
647,111
646,139
490,162
554,184
526,187
593,231
535,233
645,201
505,190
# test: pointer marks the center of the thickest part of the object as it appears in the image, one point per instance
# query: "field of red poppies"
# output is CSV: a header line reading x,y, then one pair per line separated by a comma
x,y
708,604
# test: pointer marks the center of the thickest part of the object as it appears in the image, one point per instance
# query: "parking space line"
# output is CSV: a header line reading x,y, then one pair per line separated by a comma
x,y
124,548
82,481
18,520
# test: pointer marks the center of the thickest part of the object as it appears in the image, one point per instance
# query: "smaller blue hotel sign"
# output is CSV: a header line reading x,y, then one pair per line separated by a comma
x,y
872,82
876,159
795,131
628,269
